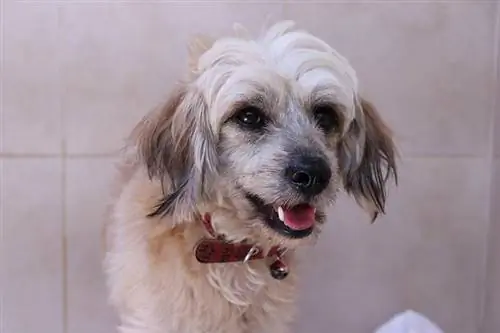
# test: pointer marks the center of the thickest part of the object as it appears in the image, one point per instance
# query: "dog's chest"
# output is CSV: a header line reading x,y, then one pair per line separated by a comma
x,y
245,297
239,284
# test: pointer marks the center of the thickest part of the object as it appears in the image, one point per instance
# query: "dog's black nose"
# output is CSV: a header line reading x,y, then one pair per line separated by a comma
x,y
309,174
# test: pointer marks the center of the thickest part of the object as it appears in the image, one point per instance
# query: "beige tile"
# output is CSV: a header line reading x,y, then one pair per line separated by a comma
x,y
491,322
496,140
119,61
87,189
496,136
31,215
496,130
426,254
31,113
428,66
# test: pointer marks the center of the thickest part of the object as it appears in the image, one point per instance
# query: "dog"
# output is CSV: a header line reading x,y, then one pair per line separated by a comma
x,y
220,188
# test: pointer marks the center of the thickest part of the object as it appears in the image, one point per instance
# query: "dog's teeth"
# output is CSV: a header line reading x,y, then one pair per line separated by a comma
x,y
281,214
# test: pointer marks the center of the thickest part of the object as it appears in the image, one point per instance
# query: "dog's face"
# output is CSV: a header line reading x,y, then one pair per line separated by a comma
x,y
277,124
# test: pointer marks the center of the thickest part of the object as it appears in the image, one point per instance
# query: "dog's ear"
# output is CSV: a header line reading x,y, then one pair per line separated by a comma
x,y
178,147
196,48
367,159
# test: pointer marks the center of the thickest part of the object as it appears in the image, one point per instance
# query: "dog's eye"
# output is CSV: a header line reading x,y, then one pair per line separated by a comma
x,y
251,117
326,117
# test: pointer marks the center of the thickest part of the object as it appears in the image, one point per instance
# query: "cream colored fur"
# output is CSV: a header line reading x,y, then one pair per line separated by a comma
x,y
157,285
155,282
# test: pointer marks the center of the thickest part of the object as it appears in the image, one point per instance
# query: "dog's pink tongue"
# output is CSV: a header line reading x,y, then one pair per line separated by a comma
x,y
300,217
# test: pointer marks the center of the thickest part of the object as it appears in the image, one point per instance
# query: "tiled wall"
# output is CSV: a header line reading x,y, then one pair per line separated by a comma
x,y
76,75
491,310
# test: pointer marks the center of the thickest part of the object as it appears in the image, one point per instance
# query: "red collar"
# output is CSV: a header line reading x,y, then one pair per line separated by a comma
x,y
218,250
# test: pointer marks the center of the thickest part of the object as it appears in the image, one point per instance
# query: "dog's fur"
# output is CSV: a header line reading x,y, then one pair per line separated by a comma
x,y
190,158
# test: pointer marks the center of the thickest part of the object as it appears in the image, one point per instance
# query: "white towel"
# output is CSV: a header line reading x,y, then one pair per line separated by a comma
x,y
409,321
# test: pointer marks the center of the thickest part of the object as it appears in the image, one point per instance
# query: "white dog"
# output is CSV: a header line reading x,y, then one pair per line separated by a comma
x,y
221,186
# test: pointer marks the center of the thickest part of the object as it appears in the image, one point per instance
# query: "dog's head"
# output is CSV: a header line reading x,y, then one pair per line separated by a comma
x,y
276,125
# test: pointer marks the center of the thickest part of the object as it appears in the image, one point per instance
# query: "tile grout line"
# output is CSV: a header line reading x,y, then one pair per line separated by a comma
x,y
495,105
2,124
64,213
286,9
202,2
56,155
2,8
70,156
181,2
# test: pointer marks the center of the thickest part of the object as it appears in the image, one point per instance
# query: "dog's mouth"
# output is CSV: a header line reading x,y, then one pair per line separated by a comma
x,y
291,221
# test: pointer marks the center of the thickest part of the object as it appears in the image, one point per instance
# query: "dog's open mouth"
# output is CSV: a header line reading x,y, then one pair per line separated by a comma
x,y
294,222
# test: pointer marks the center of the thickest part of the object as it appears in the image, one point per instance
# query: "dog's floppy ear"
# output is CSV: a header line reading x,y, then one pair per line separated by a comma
x,y
177,145
367,159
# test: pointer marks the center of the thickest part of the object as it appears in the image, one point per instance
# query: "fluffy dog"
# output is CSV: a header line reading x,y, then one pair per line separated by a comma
x,y
222,185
